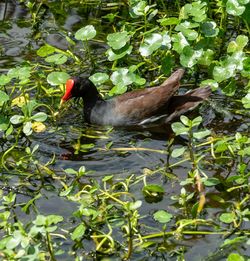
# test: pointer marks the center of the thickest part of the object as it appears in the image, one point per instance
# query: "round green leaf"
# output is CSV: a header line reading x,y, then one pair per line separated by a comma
x,y
209,29
45,50
235,257
4,79
118,40
227,218
27,128
86,33
162,216
57,78
58,58
246,101
3,97
234,8
115,55
99,78
122,77
4,123
151,43
178,128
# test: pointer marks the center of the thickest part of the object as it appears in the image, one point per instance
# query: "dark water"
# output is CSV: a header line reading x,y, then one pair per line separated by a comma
x,y
17,44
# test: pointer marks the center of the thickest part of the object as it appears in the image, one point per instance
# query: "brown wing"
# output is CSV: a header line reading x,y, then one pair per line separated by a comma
x,y
144,103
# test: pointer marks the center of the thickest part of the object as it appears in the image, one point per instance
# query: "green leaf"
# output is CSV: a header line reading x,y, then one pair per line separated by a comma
x,y
201,134
178,128
57,78
122,77
196,121
153,188
78,232
4,79
4,123
235,257
168,21
99,78
27,128
178,152
186,30
115,55
234,8
54,219
16,119
196,10
45,50
22,73
162,216
150,44
211,182
190,57
227,218
180,42
71,171
237,45
246,101
138,9
86,33
209,29
209,82
40,220
135,205
57,58
118,40
40,116
185,120
3,97
117,89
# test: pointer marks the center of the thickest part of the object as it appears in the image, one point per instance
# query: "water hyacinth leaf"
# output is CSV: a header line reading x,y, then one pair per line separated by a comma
x,y
178,152
178,128
162,216
180,42
57,78
4,97
227,218
151,43
58,58
17,119
99,78
115,55
233,7
118,40
221,73
78,232
45,50
4,123
38,127
27,128
86,33
209,29
246,101
168,21
40,116
4,79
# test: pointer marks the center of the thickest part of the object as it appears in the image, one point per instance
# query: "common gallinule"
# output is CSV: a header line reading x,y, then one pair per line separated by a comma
x,y
139,107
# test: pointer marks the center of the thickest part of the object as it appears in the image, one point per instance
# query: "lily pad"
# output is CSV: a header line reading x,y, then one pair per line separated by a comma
x,y
58,58
162,216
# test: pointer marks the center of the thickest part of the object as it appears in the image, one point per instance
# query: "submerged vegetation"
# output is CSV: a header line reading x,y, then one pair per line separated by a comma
x,y
198,187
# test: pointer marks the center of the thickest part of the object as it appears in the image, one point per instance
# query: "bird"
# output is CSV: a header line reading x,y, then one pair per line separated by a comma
x,y
152,105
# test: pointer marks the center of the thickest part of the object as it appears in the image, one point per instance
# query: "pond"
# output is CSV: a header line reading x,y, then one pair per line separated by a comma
x,y
75,191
